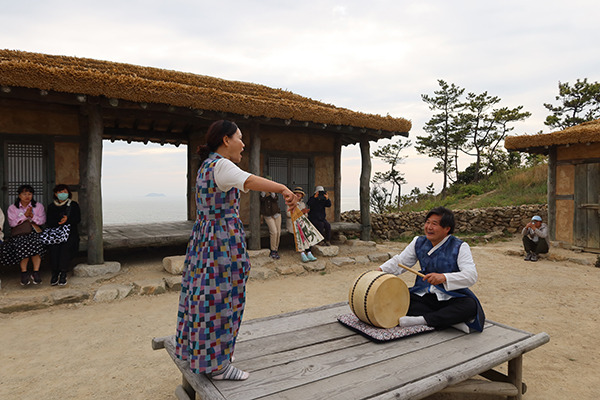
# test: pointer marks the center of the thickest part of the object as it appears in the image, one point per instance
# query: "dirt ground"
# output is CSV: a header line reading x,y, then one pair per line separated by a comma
x,y
96,350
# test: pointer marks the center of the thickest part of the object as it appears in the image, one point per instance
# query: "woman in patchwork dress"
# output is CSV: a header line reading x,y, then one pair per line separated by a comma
x,y
216,269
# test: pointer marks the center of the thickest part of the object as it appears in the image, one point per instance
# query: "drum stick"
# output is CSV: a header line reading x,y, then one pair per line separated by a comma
x,y
412,270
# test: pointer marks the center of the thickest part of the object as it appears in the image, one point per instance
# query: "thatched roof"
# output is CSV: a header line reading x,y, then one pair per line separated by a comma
x,y
588,132
153,85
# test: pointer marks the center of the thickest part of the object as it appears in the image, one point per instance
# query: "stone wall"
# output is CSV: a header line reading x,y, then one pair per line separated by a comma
x,y
511,219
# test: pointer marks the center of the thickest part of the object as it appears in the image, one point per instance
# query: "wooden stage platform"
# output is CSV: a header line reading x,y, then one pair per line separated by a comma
x,y
309,355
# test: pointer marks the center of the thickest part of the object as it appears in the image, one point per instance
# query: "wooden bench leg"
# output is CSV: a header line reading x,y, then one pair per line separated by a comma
x,y
515,375
187,389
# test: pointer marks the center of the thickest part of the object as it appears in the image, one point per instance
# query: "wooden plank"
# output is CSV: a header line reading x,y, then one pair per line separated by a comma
x,y
293,321
305,372
303,340
461,372
201,384
482,387
394,367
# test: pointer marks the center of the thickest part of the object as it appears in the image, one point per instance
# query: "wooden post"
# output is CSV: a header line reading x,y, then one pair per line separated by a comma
x,y
194,140
95,249
552,193
337,180
364,191
515,376
254,166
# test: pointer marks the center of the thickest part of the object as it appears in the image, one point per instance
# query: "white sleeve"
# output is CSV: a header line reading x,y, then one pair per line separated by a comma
x,y
228,175
408,258
467,275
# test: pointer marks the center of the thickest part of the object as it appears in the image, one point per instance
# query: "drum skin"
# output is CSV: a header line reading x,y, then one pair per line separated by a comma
x,y
379,298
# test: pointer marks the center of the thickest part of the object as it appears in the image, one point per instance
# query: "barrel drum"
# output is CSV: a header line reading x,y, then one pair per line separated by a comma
x,y
379,298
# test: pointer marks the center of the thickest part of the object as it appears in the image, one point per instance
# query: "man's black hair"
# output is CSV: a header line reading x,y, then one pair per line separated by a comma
x,y
447,217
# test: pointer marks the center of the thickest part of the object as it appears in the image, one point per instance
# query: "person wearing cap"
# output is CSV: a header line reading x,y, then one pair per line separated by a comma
x,y
305,254
535,240
317,205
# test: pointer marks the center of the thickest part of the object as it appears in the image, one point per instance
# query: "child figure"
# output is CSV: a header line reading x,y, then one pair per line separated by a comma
x,y
305,234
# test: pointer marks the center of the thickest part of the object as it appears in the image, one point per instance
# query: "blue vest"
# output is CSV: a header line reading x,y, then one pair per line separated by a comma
x,y
444,260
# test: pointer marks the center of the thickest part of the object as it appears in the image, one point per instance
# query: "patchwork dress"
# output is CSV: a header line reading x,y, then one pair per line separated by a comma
x,y
216,269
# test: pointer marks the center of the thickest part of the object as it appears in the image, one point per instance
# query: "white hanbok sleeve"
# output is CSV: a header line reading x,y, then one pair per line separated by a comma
x,y
228,175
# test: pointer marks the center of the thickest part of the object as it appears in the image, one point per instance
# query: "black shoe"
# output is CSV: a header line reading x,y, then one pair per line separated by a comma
x,y
62,280
54,279
36,278
528,256
534,257
25,279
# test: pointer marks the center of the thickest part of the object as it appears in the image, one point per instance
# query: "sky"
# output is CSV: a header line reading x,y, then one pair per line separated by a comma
x,y
377,57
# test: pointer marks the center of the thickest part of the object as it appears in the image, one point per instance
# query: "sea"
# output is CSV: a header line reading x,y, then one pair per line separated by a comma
x,y
145,209
151,209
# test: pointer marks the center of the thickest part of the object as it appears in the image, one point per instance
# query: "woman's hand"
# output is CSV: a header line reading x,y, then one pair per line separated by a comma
x,y
29,212
290,197
62,220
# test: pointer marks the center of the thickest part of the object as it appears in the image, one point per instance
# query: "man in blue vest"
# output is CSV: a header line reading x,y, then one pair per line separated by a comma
x,y
441,299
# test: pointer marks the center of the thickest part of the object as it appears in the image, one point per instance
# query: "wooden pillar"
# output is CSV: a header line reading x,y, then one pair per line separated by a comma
x,y
95,248
552,193
337,180
364,191
194,140
254,168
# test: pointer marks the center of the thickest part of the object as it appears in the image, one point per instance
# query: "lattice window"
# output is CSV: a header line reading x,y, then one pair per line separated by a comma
x,y
25,165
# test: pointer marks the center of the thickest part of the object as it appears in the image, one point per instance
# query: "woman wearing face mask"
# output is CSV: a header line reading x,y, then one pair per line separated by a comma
x,y
63,211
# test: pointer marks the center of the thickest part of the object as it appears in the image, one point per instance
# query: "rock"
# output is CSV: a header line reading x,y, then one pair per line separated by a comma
x,y
362,259
260,262
112,292
261,273
314,266
86,270
284,270
65,296
173,264
357,243
298,269
173,283
150,287
379,257
24,304
341,261
341,239
326,251
259,253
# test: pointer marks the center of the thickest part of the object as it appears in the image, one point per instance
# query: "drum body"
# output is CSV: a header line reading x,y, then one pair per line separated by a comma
x,y
379,298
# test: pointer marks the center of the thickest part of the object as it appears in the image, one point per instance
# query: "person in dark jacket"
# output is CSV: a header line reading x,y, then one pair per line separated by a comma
x,y
317,205
61,212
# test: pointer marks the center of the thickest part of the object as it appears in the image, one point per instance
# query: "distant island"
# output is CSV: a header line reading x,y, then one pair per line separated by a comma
x,y
155,195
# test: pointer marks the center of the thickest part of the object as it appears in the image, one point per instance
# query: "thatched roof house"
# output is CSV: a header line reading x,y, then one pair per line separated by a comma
x,y
573,181
66,106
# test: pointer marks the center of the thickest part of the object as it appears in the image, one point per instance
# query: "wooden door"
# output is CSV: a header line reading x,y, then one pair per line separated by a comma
x,y
586,224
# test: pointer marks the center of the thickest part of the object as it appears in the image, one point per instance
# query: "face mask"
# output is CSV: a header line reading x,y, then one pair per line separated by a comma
x,y
62,196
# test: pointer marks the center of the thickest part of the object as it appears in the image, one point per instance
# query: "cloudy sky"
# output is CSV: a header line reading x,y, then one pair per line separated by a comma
x,y
377,57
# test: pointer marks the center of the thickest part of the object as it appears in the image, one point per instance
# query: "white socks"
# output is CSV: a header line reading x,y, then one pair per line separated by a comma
x,y
412,321
230,373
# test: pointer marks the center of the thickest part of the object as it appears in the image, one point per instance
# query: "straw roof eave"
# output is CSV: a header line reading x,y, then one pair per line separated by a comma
x,y
153,85
587,132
